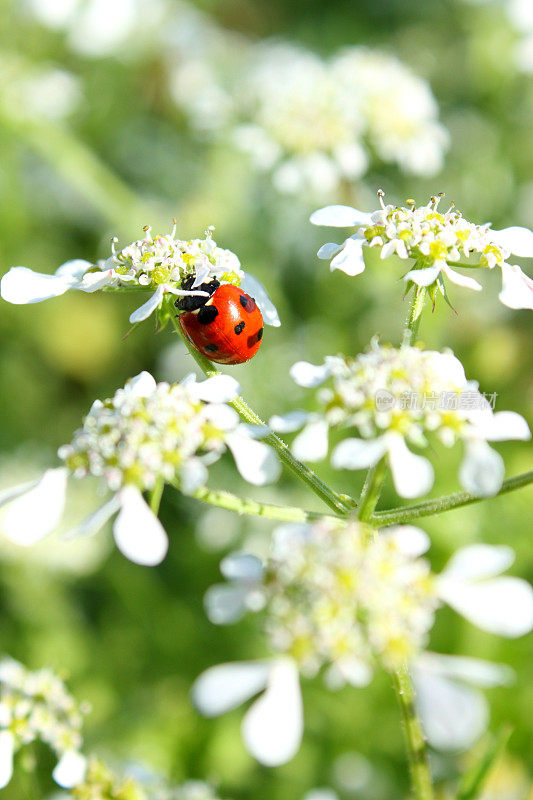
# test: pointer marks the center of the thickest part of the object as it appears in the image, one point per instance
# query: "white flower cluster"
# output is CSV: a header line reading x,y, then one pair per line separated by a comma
x,y
400,396
346,598
436,241
147,433
310,120
37,706
156,262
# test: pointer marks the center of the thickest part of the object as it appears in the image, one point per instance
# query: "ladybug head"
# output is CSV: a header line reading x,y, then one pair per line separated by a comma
x,y
194,302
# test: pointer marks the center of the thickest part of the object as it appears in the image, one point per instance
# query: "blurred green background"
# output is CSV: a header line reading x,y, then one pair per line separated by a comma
x,y
117,153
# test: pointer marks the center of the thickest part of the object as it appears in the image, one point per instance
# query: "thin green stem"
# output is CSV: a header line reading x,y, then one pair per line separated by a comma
x,y
156,495
318,486
372,490
429,508
416,744
243,505
412,323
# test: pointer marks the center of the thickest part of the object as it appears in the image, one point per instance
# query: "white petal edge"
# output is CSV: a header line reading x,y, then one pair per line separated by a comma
x,y
288,423
476,671
412,475
225,604
255,289
73,269
217,389
37,512
273,726
7,751
424,277
358,453
503,606
70,769
410,540
476,561
328,250
516,239
338,216
312,443
242,567
350,259
517,288
482,470
22,285
95,521
224,687
138,533
144,311
309,375
257,462
142,385
461,280
502,426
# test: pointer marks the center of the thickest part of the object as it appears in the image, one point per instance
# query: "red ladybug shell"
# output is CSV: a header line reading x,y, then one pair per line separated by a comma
x,y
228,329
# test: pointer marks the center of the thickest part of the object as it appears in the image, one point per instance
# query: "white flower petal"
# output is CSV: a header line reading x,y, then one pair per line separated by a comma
x,y
256,462
517,287
329,250
225,605
138,533
461,280
193,475
226,686
36,513
93,281
288,423
410,540
477,561
476,671
255,289
144,311
309,375
73,269
272,727
227,419
354,671
7,751
242,567
424,277
504,425
482,470
218,389
70,769
7,495
358,453
22,285
515,239
142,385
350,259
95,521
340,217
453,716
312,443
413,475
500,605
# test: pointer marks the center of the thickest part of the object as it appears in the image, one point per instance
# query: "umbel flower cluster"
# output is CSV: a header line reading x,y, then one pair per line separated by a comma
x,y
161,264
437,241
36,706
147,434
395,397
313,123
347,599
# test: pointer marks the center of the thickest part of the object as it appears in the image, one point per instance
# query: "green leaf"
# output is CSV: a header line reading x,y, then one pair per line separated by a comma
x,y
474,780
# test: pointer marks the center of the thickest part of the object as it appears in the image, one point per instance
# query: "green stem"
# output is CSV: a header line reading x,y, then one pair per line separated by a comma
x,y
321,489
412,323
372,490
429,508
416,744
246,506
156,495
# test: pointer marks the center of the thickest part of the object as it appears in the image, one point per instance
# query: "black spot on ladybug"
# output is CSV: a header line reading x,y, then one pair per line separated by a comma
x,y
239,328
212,348
194,302
207,314
259,334
243,301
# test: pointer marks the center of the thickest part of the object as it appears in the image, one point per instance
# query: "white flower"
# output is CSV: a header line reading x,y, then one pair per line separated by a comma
x,y
344,599
144,434
37,706
158,263
436,241
398,398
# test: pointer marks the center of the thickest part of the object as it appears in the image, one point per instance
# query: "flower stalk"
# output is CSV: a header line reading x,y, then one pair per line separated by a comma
x,y
412,323
372,490
318,486
241,505
416,745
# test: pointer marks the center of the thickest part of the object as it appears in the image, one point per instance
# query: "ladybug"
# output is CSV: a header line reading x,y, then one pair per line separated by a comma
x,y
226,327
